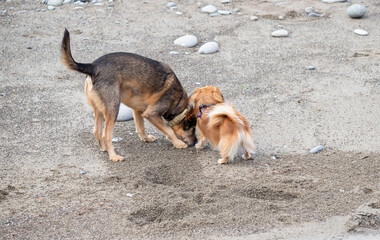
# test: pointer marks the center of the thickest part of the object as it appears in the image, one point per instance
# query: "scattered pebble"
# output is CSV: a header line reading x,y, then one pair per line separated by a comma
x,y
308,9
274,157
237,10
129,195
171,4
208,48
356,11
311,68
209,9
125,113
3,94
253,18
22,11
361,32
281,17
224,12
178,13
197,83
314,14
29,47
280,33
186,41
215,14
51,7
333,1
341,190
81,172
68,1
225,1
316,149
173,52
54,3
117,139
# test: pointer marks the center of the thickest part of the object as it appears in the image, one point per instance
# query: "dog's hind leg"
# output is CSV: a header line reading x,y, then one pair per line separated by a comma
x,y
98,128
201,141
248,145
139,123
110,120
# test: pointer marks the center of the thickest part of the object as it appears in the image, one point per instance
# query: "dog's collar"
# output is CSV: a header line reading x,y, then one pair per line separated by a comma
x,y
201,107
179,117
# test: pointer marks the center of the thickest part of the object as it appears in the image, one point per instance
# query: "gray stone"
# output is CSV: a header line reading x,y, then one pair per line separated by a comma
x,y
356,11
316,149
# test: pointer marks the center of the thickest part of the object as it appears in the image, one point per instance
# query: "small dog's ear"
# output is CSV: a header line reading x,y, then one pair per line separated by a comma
x,y
217,95
193,97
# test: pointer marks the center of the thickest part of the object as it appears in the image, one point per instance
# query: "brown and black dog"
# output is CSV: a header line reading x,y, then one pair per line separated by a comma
x,y
147,86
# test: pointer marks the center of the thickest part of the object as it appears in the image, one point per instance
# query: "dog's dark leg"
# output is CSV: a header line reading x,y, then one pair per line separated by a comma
x,y
159,123
139,123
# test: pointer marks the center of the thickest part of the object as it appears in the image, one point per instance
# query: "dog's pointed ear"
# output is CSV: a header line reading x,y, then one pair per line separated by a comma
x,y
194,96
217,95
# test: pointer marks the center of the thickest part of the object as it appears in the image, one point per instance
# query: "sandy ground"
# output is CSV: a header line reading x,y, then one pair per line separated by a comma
x,y
55,183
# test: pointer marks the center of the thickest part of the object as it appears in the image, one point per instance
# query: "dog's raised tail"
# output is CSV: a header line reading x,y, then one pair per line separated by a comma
x,y
68,60
220,112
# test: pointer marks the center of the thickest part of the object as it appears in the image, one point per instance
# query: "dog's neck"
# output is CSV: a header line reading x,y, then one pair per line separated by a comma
x,y
178,118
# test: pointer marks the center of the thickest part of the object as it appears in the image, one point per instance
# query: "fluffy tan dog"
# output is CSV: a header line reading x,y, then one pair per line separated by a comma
x,y
220,124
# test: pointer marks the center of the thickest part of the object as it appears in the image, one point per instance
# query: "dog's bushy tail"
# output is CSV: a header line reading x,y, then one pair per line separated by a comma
x,y
236,130
68,60
219,114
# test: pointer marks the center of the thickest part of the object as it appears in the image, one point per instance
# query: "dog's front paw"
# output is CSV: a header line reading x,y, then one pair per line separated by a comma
x,y
149,138
199,145
246,156
222,161
180,144
117,158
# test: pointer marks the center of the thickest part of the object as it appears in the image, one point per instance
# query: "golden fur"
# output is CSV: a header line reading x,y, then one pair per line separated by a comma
x,y
220,124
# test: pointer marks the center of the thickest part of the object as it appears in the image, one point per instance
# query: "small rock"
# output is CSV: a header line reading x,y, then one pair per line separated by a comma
x,y
22,11
117,139
3,94
274,157
186,41
197,83
208,48
29,48
55,3
253,18
129,195
215,14
237,10
38,10
171,4
209,9
51,7
81,172
44,1
341,190
333,1
316,149
224,12
311,68
281,17
314,14
178,13
308,9
125,113
361,32
280,33
173,52
356,11
68,1
225,1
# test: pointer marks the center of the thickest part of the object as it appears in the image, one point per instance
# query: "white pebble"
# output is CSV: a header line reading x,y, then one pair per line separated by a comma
x,y
207,48
333,1
215,14
224,12
253,18
117,139
225,1
209,9
308,9
68,1
178,13
280,33
237,10
186,41
356,11
311,68
171,4
173,52
55,3
316,149
51,7
361,32
125,113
